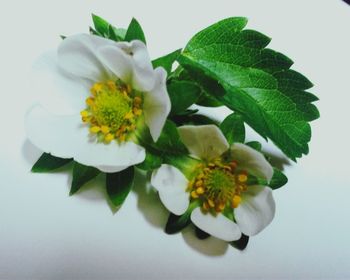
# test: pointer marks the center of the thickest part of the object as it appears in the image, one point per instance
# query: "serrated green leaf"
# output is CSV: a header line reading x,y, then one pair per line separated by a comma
x,y
255,145
81,175
182,95
278,179
253,81
101,25
166,61
151,162
241,243
47,163
119,184
233,128
135,32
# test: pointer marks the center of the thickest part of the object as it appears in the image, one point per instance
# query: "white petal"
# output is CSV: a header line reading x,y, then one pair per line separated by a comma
x,y
77,56
56,91
117,61
204,141
67,137
256,210
220,226
157,104
143,78
252,161
171,185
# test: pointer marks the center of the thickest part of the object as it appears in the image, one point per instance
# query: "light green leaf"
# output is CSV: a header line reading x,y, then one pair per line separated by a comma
x,y
135,32
119,184
253,81
101,26
81,175
182,95
233,128
166,61
47,163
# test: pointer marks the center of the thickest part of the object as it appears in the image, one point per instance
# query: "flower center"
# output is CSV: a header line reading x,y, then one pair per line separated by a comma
x,y
112,110
218,186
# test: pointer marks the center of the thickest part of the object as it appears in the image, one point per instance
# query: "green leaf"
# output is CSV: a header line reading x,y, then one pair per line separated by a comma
x,y
115,34
151,162
119,184
255,145
101,25
233,128
166,61
241,243
196,119
278,179
200,234
207,100
182,95
81,175
253,81
47,163
135,32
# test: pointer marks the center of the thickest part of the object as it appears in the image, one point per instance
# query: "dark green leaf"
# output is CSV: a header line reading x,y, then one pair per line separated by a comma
x,y
182,95
201,234
234,66
255,145
81,175
177,223
166,61
101,25
119,184
240,244
135,32
233,128
151,162
196,119
48,163
278,179
207,100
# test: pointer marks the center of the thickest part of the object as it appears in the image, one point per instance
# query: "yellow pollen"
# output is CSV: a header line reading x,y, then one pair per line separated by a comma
x,y
84,113
109,137
211,203
137,112
200,190
194,194
199,183
137,100
90,101
205,206
242,177
86,119
200,176
95,129
111,85
129,116
236,200
105,129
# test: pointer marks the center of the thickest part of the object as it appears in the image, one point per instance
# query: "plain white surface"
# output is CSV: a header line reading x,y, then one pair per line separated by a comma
x,y
44,234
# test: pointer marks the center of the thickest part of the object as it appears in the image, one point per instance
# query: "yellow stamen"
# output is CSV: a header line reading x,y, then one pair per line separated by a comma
x,y
194,194
137,112
109,137
84,113
95,129
236,200
129,116
200,190
105,129
90,101
242,177
205,206
211,203
111,85
137,100
199,183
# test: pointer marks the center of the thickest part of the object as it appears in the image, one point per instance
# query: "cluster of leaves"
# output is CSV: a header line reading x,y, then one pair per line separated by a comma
x,y
223,65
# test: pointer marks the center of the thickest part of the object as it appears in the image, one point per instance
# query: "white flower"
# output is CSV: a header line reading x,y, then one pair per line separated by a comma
x,y
112,92
227,205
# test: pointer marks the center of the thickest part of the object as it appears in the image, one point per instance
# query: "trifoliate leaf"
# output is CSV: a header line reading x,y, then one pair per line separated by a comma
x,y
166,61
182,95
201,234
47,163
151,162
241,243
278,179
81,175
253,81
233,128
255,145
119,184
135,32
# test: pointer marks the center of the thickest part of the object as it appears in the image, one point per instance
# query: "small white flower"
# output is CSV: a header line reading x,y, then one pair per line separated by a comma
x,y
112,91
227,204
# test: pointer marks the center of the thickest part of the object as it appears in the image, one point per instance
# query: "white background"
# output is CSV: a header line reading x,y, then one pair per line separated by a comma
x,y
45,234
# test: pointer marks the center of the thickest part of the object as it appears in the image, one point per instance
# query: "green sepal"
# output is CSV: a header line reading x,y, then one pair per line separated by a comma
x,y
207,100
278,179
101,26
233,128
241,243
135,32
166,61
48,162
81,175
200,234
119,184
177,223
256,145
182,95
192,119
151,162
